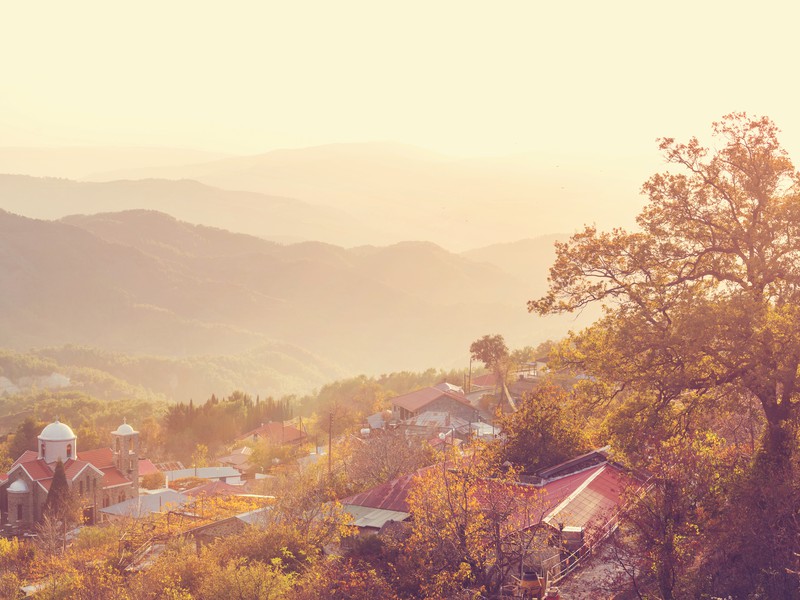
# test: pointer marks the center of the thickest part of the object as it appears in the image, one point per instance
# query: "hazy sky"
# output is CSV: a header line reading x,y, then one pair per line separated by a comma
x,y
462,77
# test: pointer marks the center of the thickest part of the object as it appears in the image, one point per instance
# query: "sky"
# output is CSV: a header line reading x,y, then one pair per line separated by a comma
x,y
463,78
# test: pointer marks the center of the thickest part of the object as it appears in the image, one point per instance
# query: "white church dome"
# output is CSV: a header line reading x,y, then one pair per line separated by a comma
x,y
56,432
124,429
19,487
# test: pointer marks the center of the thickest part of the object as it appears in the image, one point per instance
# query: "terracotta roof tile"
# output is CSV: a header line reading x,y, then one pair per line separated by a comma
x,y
99,457
37,469
146,467
27,456
112,476
73,467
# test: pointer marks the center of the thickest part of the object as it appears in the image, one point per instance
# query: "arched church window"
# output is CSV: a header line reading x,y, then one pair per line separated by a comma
x,y
69,450
42,449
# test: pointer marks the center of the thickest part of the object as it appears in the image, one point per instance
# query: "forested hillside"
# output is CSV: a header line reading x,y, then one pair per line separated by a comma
x,y
144,283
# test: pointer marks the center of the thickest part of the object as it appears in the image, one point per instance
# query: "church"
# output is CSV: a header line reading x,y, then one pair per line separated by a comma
x,y
100,477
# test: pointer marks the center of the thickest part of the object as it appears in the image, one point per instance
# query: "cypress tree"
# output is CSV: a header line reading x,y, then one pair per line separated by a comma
x,y
58,498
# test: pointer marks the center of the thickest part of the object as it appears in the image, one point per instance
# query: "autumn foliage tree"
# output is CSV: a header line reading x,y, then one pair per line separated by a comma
x,y
704,300
472,525
545,431
492,351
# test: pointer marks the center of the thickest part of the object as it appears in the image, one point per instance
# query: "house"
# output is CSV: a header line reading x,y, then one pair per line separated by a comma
x,y
576,506
386,502
239,459
224,474
159,501
101,477
432,399
146,467
214,488
275,433
430,424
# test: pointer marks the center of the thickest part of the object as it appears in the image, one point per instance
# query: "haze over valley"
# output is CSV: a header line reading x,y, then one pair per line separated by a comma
x,y
143,283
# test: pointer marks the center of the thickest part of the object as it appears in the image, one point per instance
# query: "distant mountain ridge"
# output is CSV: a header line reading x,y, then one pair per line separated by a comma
x,y
270,217
410,193
144,282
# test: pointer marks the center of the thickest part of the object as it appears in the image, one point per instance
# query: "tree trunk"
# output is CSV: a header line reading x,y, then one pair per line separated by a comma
x,y
775,504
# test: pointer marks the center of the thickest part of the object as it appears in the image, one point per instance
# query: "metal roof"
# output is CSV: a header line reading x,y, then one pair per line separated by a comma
x,y
204,473
413,401
373,517
147,504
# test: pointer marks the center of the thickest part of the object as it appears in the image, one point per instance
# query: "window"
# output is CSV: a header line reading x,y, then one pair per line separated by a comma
x,y
42,449
69,450
19,512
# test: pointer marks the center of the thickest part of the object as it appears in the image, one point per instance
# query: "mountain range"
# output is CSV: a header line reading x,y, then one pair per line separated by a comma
x,y
344,194
326,261
144,282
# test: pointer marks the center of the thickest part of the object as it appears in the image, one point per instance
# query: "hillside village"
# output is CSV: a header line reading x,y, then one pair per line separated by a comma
x,y
366,485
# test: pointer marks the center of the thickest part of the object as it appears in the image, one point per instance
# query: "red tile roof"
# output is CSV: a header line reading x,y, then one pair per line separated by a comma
x,y
485,380
73,467
146,467
276,433
37,469
112,476
27,456
414,401
392,495
99,457
586,499
214,488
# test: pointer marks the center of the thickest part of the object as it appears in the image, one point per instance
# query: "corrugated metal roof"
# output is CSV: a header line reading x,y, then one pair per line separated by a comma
x,y
146,504
373,517
204,473
392,495
413,401
592,496
580,499
431,418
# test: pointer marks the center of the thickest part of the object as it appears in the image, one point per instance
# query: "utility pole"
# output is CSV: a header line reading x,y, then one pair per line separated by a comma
x,y
330,446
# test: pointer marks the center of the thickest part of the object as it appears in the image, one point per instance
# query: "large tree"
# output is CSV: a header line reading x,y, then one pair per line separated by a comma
x,y
492,351
703,300
545,431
